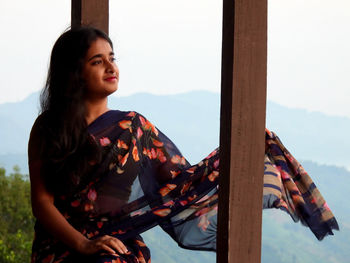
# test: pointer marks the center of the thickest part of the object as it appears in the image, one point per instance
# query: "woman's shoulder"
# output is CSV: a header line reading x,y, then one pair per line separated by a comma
x,y
110,119
118,118
117,115
37,134
125,113
39,123
136,118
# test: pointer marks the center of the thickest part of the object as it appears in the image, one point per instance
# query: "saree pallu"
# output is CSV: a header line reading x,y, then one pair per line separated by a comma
x,y
144,181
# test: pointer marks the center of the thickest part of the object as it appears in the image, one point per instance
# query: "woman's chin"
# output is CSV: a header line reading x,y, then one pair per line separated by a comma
x,y
113,91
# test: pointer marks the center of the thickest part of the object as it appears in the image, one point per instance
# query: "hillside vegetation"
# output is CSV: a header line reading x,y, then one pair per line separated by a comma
x,y
16,220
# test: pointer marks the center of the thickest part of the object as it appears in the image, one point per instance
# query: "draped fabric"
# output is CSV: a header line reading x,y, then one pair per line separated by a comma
x,y
143,181
288,186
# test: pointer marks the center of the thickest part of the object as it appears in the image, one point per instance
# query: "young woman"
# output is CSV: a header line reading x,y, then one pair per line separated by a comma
x,y
100,177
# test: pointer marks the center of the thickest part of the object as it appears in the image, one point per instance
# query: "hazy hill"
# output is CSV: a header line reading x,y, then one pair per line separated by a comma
x,y
16,121
312,135
191,120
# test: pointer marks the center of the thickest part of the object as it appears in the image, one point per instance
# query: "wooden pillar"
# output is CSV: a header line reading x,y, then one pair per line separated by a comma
x,y
90,13
242,140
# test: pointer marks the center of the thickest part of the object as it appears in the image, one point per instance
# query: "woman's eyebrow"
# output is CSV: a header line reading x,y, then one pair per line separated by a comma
x,y
100,55
95,56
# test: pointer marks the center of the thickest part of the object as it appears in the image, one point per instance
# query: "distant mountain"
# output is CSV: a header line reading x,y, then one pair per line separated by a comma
x,y
192,121
311,135
16,121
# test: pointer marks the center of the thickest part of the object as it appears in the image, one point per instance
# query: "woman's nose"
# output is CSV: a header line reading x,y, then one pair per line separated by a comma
x,y
111,67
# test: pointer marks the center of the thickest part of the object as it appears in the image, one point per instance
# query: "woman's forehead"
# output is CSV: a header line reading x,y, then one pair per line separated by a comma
x,y
99,46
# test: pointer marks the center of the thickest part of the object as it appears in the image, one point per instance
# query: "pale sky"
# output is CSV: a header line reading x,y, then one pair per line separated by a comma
x,y
168,46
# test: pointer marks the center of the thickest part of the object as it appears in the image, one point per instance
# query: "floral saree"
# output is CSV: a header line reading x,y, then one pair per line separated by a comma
x,y
144,181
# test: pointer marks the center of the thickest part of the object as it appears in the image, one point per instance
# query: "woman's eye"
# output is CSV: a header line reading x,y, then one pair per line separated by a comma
x,y
112,59
96,62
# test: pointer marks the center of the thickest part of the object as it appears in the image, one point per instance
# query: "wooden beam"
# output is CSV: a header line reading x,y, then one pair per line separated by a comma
x,y
90,13
242,140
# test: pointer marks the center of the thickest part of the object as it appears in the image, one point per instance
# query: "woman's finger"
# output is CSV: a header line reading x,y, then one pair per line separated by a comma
x,y
112,243
117,245
104,238
108,249
122,246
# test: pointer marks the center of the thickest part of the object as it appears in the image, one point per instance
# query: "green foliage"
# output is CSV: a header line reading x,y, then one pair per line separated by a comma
x,y
16,220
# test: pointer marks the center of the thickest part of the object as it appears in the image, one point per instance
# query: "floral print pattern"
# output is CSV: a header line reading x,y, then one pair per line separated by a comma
x,y
143,180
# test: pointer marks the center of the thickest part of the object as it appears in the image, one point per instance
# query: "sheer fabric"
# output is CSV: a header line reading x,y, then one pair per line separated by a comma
x,y
143,181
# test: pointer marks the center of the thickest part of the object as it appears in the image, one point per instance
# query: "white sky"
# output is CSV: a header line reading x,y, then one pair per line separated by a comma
x,y
168,46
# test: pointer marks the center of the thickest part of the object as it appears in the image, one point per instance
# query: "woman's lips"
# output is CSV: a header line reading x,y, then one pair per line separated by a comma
x,y
111,78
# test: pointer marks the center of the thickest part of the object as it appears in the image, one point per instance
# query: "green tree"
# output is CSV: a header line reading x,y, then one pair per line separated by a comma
x,y
16,220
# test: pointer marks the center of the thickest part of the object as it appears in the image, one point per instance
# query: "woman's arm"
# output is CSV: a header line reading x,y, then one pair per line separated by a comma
x,y
50,217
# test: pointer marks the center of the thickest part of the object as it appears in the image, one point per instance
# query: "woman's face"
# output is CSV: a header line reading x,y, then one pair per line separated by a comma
x,y
100,72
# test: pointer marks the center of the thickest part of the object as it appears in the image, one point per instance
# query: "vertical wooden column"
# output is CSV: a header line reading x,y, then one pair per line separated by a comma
x,y
90,13
242,140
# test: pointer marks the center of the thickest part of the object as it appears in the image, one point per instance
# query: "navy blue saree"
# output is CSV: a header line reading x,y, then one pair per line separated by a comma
x,y
144,181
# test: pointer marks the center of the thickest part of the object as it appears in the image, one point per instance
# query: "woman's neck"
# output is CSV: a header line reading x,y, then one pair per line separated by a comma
x,y
95,109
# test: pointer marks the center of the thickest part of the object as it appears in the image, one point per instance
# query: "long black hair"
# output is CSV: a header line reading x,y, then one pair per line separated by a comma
x,y
69,149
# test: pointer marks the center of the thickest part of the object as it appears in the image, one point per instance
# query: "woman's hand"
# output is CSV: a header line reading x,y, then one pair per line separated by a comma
x,y
106,243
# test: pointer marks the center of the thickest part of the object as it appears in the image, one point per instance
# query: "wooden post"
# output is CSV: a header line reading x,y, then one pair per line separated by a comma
x,y
242,140
90,13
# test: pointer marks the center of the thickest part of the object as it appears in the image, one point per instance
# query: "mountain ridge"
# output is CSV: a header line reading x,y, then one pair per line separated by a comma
x,y
200,111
